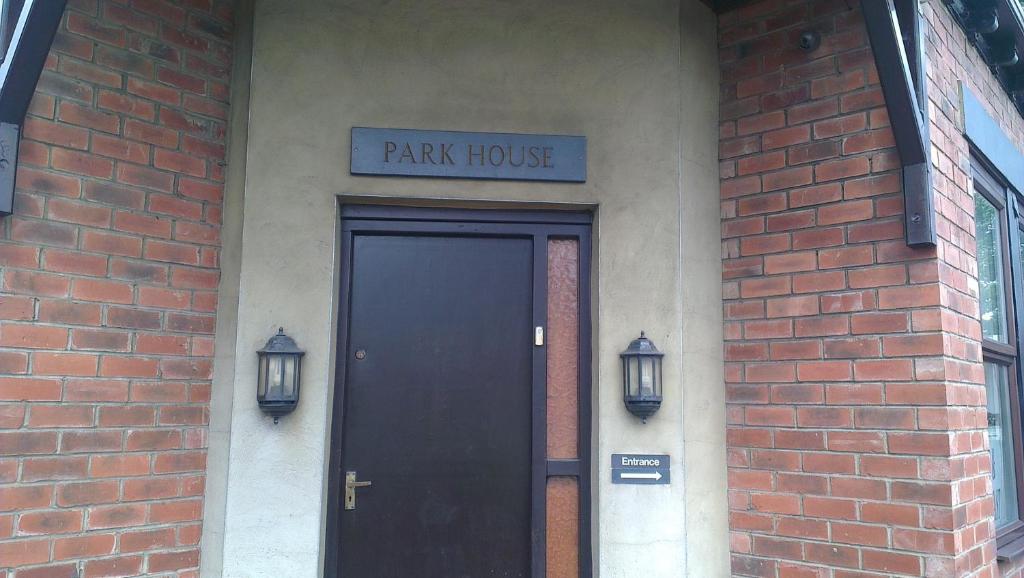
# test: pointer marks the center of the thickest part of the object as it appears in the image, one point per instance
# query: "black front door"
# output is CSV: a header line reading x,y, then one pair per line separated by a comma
x,y
438,402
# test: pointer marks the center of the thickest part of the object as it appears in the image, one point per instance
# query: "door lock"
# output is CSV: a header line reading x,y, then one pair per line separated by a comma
x,y
350,489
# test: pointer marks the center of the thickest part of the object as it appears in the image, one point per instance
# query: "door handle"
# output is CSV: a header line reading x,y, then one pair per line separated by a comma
x,y
350,489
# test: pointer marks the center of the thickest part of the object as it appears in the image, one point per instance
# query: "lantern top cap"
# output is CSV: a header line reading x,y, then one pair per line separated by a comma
x,y
281,343
642,346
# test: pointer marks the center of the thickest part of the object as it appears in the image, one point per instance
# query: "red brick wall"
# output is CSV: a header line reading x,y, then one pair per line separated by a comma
x,y
952,62
856,419
109,272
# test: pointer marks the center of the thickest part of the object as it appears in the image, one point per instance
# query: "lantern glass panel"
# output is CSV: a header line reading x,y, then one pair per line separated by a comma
x,y
289,376
647,377
261,384
634,376
275,373
661,379
625,376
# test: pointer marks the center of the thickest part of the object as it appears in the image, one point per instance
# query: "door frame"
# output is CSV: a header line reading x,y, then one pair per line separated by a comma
x,y
540,225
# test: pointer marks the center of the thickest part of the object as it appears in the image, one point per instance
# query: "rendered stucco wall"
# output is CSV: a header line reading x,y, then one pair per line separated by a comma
x,y
640,81
212,545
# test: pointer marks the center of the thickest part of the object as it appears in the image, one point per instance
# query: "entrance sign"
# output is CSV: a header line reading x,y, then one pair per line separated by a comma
x,y
640,469
470,155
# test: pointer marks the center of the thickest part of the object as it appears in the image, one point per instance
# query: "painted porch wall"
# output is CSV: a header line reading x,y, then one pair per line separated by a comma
x,y
640,81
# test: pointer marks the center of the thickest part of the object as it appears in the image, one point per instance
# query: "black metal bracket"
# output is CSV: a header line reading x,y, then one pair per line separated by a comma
x,y
30,43
8,165
896,40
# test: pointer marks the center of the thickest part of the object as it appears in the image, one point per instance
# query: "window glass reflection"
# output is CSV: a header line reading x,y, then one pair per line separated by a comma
x,y
10,10
990,270
1000,439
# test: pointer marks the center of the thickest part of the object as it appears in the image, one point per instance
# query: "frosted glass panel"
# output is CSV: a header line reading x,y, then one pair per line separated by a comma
x,y
563,526
563,348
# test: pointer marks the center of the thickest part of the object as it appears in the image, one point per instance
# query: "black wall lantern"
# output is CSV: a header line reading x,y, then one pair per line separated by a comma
x,y
279,375
641,377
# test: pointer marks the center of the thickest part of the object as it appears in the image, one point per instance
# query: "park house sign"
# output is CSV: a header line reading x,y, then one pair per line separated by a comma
x,y
468,155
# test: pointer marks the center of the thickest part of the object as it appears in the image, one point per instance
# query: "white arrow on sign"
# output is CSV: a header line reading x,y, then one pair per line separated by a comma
x,y
640,476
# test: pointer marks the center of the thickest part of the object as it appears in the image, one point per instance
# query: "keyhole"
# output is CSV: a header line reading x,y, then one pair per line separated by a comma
x,y
360,354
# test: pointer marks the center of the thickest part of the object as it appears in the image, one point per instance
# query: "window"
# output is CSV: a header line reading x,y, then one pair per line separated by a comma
x,y
997,229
